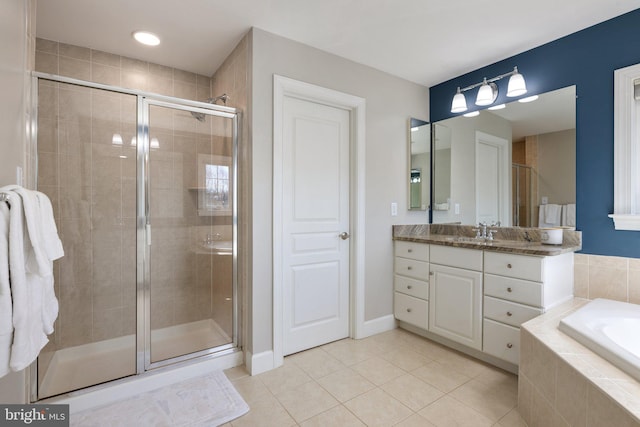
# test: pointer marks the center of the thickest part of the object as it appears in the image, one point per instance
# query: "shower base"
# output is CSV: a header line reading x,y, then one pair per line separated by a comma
x,y
86,365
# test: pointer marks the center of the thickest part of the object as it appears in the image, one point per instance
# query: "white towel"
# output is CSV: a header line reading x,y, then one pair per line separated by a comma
x,y
26,292
6,310
549,215
569,215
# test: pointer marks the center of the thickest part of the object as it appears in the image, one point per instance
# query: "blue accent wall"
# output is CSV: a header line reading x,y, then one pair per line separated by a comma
x,y
586,59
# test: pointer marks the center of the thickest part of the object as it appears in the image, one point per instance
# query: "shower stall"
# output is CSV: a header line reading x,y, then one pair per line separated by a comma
x,y
144,195
522,195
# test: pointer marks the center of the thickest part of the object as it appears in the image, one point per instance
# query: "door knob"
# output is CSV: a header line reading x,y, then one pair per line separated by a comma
x,y
344,235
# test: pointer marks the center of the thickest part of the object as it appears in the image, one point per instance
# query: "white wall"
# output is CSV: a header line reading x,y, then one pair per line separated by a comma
x,y
390,101
463,158
15,58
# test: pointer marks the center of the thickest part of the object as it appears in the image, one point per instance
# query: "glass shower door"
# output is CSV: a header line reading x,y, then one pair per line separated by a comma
x,y
87,167
190,226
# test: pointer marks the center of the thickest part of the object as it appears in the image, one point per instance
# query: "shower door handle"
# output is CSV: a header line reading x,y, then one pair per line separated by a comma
x,y
344,235
148,234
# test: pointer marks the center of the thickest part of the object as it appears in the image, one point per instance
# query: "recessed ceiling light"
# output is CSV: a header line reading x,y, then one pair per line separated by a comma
x,y
146,38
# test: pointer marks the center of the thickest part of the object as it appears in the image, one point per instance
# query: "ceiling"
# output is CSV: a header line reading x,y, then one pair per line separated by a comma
x,y
423,41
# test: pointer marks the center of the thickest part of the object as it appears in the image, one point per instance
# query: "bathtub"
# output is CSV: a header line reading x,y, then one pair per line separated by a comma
x,y
609,328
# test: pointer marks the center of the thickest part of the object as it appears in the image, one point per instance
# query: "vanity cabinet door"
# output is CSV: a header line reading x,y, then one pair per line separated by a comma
x,y
455,305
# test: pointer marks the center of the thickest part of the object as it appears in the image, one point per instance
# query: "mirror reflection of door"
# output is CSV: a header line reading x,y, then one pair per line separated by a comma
x,y
419,164
542,140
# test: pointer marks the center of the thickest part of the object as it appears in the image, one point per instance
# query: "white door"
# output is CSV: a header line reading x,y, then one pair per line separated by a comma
x,y
315,218
492,179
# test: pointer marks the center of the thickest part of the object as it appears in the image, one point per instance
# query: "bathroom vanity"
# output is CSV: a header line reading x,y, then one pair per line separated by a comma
x,y
472,294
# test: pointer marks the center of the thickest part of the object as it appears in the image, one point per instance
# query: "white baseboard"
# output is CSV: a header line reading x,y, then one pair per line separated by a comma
x,y
377,326
259,363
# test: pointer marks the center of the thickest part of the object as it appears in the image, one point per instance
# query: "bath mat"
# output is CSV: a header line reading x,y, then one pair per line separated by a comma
x,y
209,400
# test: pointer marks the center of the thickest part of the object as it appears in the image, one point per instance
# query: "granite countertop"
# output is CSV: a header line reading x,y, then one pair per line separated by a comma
x,y
517,240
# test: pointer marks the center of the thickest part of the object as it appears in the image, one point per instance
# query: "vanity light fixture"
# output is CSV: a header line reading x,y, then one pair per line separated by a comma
x,y
459,103
488,92
146,38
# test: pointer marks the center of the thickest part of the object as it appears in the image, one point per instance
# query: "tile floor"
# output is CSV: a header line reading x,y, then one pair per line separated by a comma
x,y
391,379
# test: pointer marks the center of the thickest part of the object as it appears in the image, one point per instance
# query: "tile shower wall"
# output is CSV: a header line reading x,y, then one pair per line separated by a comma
x,y
93,191
232,78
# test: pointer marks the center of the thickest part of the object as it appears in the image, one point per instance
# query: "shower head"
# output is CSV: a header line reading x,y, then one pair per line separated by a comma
x,y
224,98
201,116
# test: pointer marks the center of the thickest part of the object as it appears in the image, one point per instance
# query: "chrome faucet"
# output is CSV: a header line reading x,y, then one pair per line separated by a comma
x,y
483,231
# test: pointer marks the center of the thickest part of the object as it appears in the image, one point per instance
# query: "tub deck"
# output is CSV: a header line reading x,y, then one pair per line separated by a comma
x,y
562,380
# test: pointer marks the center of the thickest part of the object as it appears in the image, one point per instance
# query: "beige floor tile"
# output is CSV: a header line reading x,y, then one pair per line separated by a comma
x,y
388,341
336,416
427,348
512,419
266,412
349,352
415,420
444,378
464,364
492,401
412,392
316,362
449,412
378,370
236,373
284,378
346,384
306,401
377,408
406,358
251,389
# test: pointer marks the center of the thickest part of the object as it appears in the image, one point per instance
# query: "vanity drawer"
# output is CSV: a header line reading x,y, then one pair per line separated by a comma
x,y
413,287
411,310
511,313
412,250
522,291
412,268
502,341
517,266
470,259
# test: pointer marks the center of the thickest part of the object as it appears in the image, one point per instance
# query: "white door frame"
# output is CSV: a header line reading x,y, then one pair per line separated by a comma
x,y
282,87
504,174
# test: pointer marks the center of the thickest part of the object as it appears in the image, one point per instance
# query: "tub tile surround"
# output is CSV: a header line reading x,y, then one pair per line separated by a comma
x,y
561,382
506,239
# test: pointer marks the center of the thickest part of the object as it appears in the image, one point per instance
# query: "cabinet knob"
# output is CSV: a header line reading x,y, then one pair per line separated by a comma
x,y
409,268
431,273
409,250
409,286
508,265
509,290
509,345
408,310
509,314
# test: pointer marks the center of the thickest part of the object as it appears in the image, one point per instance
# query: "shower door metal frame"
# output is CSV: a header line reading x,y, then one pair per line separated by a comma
x,y
143,325
143,337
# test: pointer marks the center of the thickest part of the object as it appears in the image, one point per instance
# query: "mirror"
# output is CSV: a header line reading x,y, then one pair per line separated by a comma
x,y
419,164
514,165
